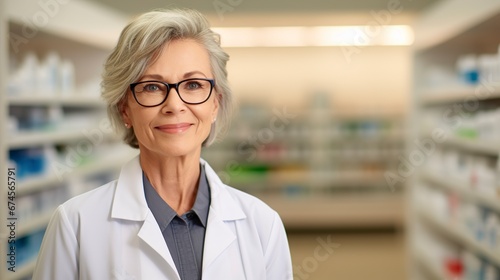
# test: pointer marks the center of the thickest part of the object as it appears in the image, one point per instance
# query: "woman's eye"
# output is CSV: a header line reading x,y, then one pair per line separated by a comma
x,y
193,85
151,87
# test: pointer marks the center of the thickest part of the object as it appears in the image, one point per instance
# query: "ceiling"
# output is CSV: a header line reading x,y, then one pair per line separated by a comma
x,y
267,6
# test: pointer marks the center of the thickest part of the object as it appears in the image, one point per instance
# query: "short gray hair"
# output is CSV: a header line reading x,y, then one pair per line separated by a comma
x,y
138,47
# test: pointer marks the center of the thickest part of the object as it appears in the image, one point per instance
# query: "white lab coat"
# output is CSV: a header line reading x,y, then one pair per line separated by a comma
x,y
110,233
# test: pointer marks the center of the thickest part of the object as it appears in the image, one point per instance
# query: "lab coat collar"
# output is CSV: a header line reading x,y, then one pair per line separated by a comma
x,y
130,203
221,200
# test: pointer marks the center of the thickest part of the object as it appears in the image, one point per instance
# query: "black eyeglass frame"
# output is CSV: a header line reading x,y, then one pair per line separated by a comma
x,y
176,87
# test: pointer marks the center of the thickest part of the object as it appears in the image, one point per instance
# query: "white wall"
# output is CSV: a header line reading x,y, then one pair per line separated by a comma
x,y
375,80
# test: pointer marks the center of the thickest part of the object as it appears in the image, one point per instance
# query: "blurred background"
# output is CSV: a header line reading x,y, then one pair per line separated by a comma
x,y
371,126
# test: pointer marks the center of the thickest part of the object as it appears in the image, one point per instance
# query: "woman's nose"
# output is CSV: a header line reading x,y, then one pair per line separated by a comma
x,y
173,103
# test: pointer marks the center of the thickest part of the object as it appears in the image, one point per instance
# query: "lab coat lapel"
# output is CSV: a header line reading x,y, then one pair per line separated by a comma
x,y
150,233
130,204
223,211
217,238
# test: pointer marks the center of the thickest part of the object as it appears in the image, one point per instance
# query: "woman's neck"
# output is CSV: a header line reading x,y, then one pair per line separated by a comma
x,y
175,179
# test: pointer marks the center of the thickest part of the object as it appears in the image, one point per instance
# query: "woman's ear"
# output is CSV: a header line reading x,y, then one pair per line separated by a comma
x,y
217,101
125,112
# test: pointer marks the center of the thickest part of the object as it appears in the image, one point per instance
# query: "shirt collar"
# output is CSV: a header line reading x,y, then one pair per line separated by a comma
x,y
164,214
202,202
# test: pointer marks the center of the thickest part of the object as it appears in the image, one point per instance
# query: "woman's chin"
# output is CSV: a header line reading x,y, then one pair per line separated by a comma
x,y
178,149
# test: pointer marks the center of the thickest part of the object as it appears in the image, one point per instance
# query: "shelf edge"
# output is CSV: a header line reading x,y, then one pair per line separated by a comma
x,y
459,187
459,94
472,145
458,235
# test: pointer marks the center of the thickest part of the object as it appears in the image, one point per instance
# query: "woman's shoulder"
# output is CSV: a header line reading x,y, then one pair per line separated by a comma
x,y
220,189
258,217
253,207
247,199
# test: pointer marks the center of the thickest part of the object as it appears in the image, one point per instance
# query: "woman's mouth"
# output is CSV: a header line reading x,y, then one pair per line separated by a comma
x,y
174,128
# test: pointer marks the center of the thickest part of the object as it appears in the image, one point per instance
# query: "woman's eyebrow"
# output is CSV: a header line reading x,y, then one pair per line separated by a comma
x,y
152,77
193,73
161,78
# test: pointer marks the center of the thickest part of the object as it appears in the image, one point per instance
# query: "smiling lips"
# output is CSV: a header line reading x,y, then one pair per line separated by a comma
x,y
174,128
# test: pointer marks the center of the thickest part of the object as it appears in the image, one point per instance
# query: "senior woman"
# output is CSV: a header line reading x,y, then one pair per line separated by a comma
x,y
168,216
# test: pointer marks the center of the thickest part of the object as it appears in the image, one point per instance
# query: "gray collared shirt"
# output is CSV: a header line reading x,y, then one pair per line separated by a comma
x,y
184,235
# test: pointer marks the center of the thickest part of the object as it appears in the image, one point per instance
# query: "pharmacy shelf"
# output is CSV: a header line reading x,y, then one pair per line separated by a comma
x,y
443,33
72,100
23,139
478,146
365,156
456,233
462,188
314,182
37,222
301,156
366,139
36,183
351,178
24,271
35,138
346,211
308,137
101,164
459,94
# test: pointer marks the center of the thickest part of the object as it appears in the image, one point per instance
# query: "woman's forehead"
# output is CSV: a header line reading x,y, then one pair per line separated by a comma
x,y
182,58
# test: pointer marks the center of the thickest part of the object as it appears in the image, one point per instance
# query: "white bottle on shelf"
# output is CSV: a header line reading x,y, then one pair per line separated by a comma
x,y
467,66
67,77
492,231
55,116
12,124
48,75
23,79
484,175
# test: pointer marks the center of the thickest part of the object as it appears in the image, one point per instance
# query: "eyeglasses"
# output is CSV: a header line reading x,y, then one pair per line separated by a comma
x,y
190,91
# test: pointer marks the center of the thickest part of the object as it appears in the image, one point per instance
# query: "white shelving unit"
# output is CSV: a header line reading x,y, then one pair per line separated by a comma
x,y
74,100
84,33
449,29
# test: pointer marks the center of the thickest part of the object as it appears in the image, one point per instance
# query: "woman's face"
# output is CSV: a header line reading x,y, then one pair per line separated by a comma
x,y
174,128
